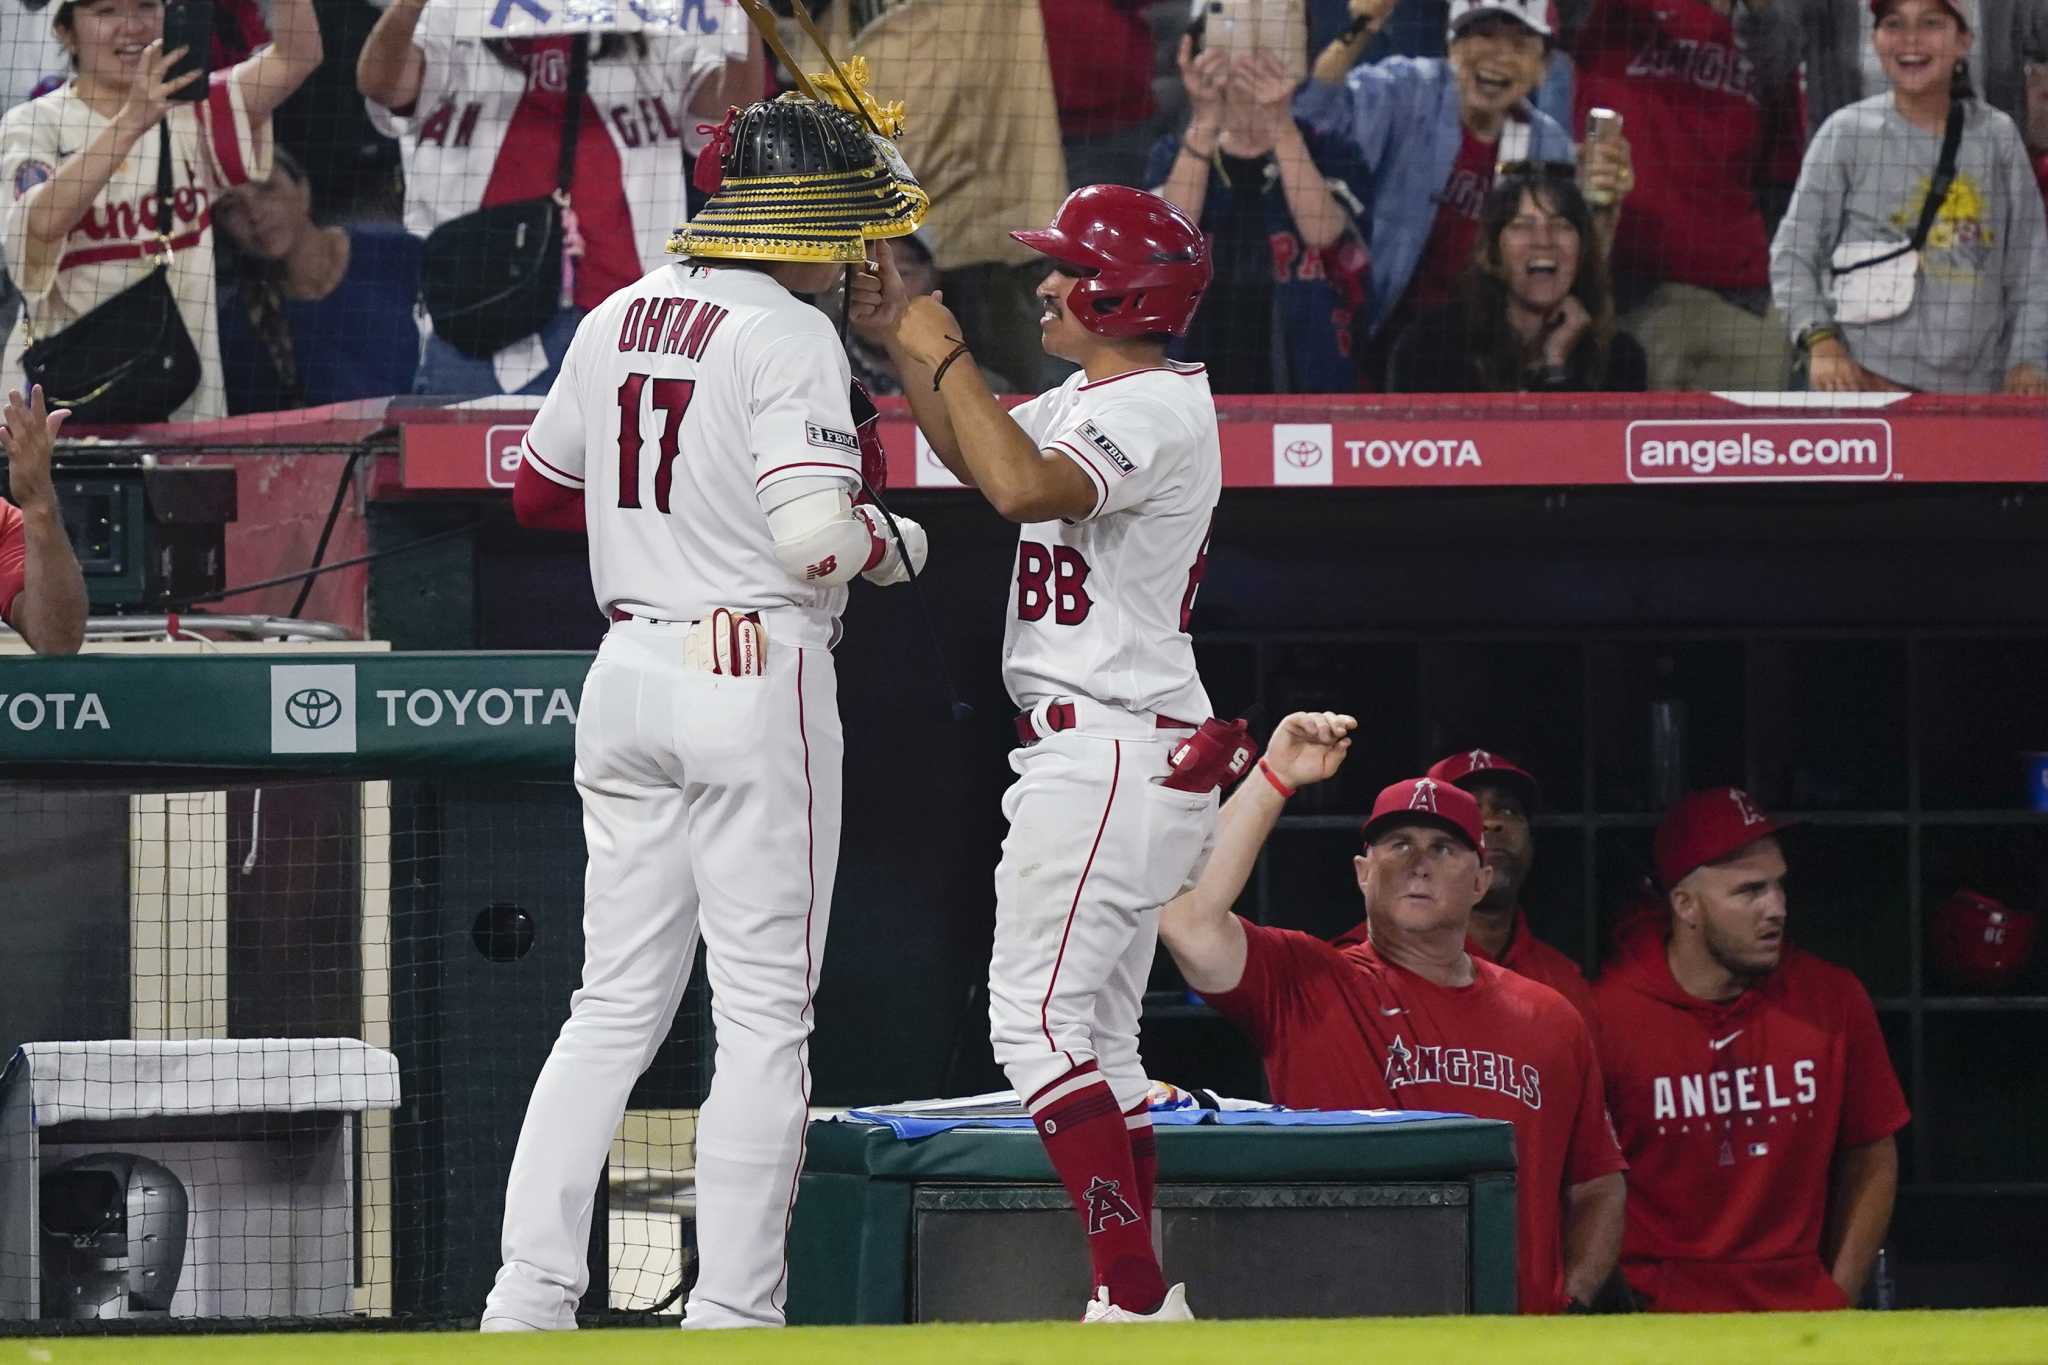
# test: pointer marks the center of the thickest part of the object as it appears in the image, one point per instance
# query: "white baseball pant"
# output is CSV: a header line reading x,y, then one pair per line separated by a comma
x,y
709,804
1095,847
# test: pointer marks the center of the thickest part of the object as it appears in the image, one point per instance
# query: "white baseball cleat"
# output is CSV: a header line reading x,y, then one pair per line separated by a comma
x,y
1173,1308
505,1325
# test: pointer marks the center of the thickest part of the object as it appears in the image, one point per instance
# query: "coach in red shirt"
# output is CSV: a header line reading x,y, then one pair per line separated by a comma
x,y
1507,795
1407,1019
1749,1083
42,591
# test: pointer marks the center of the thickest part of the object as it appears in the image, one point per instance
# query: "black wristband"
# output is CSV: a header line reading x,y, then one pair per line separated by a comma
x,y
1354,30
940,372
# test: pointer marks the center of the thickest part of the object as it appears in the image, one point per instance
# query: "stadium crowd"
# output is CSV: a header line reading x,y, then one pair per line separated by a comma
x,y
1403,195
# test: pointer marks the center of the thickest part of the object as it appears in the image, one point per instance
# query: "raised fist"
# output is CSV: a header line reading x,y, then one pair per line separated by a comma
x,y
1309,746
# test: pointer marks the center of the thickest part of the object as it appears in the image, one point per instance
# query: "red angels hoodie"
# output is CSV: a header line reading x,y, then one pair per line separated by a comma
x,y
1730,1115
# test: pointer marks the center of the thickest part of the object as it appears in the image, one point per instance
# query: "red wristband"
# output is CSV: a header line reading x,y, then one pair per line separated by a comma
x,y
878,546
1278,785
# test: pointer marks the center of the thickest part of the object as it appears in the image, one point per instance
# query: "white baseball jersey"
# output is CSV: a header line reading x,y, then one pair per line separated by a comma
x,y
484,132
214,147
711,800
682,399
1099,607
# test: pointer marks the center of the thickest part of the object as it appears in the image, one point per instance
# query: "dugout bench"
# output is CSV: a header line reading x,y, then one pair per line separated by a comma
x,y
971,1225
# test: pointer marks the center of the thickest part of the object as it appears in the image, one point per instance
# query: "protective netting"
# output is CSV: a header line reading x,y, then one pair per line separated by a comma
x,y
271,1059
1401,195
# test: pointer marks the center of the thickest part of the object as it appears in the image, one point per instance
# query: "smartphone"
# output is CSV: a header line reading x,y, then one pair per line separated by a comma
x,y
1243,27
189,24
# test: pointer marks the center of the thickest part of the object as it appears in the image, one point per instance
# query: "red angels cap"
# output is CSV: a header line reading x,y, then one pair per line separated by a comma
x,y
1706,826
1427,801
1476,766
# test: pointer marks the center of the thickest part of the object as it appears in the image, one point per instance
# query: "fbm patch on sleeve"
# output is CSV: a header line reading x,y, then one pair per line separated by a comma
x,y
1110,450
831,438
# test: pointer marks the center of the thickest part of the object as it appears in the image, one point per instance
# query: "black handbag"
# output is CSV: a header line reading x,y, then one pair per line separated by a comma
x,y
130,359
494,276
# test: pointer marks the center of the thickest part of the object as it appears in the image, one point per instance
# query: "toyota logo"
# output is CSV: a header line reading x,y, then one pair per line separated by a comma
x,y
312,708
1302,454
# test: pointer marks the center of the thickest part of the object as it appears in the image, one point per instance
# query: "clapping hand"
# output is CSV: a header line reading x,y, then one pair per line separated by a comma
x,y
28,435
1259,82
1207,78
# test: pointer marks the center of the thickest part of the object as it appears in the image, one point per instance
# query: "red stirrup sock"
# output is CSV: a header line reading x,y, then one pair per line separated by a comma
x,y
1144,1156
1083,1130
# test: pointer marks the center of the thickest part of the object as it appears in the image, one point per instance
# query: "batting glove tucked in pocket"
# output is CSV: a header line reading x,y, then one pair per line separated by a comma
x,y
728,643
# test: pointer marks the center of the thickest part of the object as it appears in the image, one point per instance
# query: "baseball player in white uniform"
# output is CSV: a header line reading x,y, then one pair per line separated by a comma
x,y
1114,477
701,419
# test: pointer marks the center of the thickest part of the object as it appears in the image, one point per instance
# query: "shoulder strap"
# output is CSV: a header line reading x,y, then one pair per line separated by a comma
x,y
572,119
1944,173
1937,193
163,177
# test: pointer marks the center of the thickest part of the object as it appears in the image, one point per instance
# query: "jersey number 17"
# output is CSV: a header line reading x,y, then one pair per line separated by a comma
x,y
671,400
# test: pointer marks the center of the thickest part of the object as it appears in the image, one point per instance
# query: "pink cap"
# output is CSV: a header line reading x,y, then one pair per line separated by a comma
x,y
1963,10
1427,801
1477,766
1707,826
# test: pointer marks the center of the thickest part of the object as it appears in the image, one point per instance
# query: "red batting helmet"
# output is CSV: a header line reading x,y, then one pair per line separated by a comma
x,y
1979,944
1143,264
